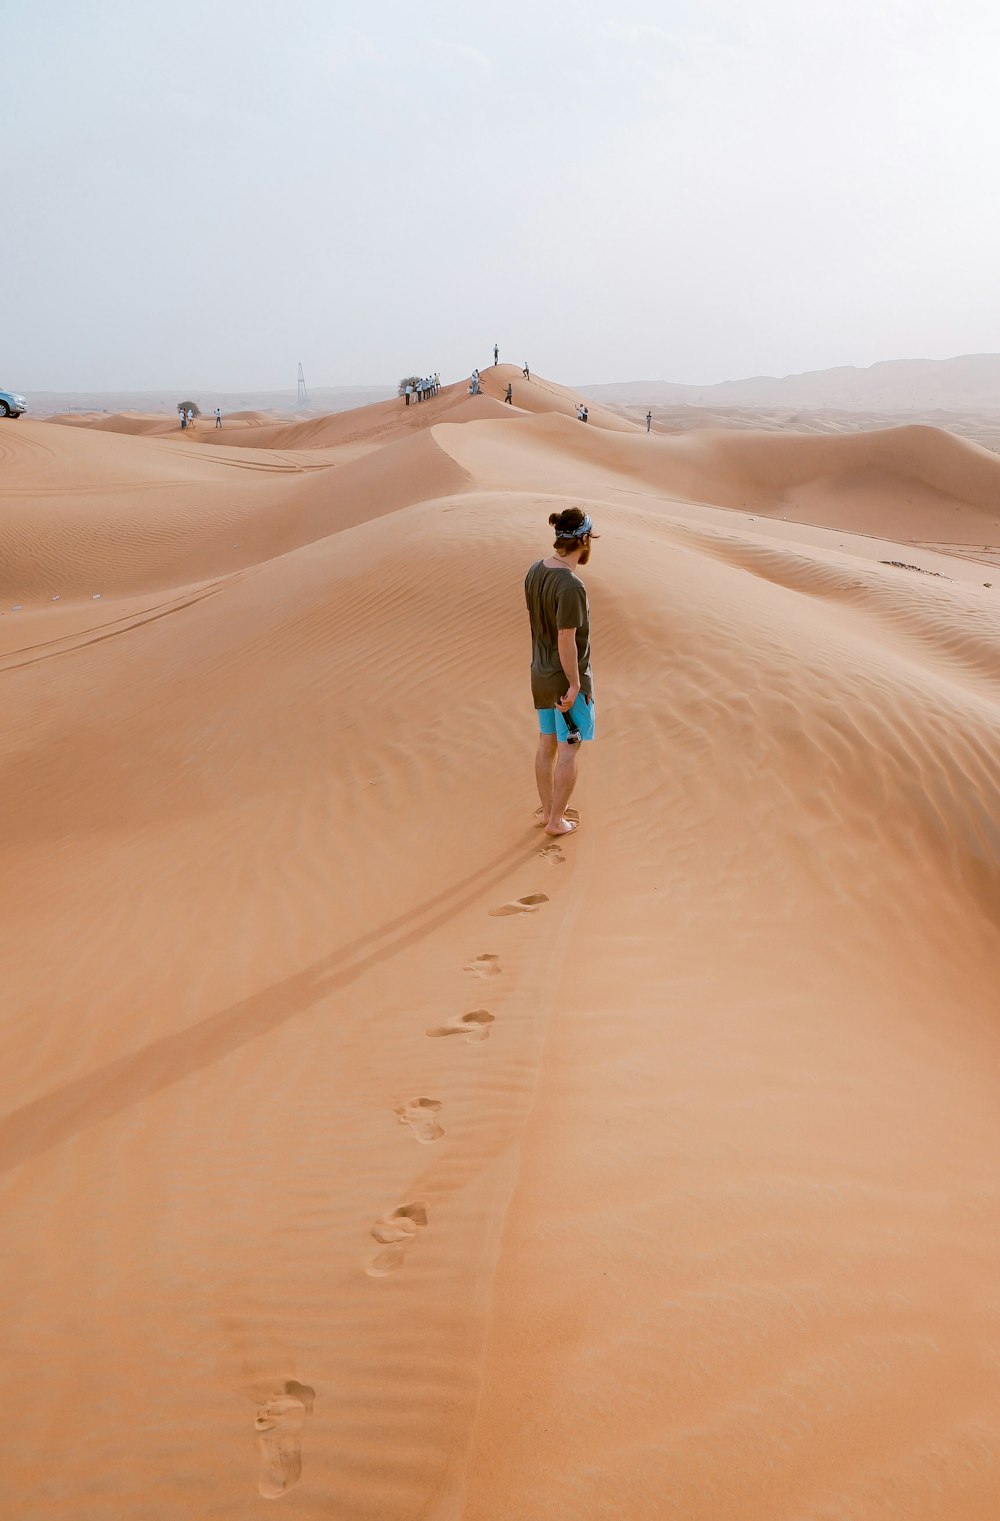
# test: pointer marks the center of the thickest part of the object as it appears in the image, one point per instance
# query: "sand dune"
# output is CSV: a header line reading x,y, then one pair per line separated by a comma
x,y
165,424
85,513
367,1154
968,381
537,394
912,482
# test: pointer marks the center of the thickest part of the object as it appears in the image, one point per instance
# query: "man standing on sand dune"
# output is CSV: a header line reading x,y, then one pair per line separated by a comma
x,y
509,395
562,685
496,353
649,421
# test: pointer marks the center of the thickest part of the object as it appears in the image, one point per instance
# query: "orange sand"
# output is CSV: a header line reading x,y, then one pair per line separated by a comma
x,y
689,1207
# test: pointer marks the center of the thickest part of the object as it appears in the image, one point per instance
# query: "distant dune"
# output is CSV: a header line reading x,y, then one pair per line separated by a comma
x,y
917,388
323,399
366,1150
970,382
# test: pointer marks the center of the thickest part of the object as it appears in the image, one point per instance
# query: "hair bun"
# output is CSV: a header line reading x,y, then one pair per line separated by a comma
x,y
554,519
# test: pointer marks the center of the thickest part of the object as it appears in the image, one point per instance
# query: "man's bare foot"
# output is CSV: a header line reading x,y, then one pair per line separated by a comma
x,y
541,822
562,826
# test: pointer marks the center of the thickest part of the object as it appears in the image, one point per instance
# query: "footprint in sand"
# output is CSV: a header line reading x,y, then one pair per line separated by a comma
x,y
486,965
554,854
474,1026
527,905
279,1426
421,1114
396,1231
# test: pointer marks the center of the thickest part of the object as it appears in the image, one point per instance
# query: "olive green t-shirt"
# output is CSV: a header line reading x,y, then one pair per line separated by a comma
x,y
556,599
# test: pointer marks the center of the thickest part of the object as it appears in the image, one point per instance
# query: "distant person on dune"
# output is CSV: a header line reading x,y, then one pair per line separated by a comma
x,y
474,384
509,395
524,372
496,354
218,417
562,686
649,421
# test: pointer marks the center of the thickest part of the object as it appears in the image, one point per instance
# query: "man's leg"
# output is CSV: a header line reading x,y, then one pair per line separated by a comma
x,y
545,765
563,782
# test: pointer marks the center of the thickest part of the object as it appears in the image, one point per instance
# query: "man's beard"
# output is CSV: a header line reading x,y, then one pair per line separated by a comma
x,y
584,556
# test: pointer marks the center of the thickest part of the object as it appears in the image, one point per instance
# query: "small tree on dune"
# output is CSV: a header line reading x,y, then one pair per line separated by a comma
x,y
189,406
407,380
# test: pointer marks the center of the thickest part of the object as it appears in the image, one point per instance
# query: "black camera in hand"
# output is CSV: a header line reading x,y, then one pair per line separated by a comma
x,y
573,735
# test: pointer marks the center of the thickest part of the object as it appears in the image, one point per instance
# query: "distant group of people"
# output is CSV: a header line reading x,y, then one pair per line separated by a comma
x,y
187,417
475,388
582,411
418,390
475,380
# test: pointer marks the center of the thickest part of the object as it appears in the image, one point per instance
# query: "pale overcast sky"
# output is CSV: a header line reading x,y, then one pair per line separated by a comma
x,y
690,190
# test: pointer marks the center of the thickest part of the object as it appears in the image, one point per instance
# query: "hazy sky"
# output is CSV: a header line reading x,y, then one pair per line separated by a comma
x,y
691,190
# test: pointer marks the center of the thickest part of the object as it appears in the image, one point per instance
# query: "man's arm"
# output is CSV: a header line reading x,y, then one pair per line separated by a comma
x,y
570,664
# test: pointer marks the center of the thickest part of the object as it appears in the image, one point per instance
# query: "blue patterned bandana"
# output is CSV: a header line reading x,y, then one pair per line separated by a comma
x,y
579,533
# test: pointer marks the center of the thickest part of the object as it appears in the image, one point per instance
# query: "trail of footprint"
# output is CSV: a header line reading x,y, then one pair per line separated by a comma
x,y
474,1026
421,1115
554,854
396,1231
486,965
279,1426
526,905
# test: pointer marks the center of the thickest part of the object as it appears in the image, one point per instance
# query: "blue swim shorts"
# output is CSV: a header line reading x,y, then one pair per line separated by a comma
x,y
551,721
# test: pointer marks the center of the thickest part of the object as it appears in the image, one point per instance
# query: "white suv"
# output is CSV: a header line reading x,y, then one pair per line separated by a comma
x,y
11,404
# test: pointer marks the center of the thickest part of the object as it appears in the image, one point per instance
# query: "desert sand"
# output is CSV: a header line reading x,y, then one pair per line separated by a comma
x,y
367,1154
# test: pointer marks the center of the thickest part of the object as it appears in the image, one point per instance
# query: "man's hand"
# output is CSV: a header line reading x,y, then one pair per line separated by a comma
x,y
571,669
